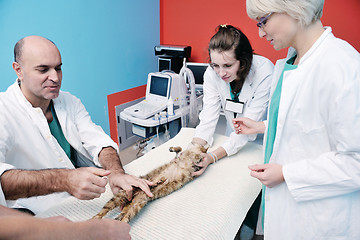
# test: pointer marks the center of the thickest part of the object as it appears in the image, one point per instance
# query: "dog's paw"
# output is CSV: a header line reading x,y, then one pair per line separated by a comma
x,y
175,149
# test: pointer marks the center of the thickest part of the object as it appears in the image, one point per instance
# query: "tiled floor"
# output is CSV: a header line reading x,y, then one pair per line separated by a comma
x,y
128,154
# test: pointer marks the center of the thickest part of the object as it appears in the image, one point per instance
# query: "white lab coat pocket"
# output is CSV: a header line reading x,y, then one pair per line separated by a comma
x,y
309,139
321,222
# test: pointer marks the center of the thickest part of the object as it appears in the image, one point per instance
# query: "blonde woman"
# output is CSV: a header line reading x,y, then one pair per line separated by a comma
x,y
312,137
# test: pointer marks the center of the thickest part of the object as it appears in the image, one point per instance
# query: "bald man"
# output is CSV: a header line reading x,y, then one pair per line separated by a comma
x,y
49,147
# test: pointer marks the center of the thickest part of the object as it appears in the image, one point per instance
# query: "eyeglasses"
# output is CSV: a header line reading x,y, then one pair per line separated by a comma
x,y
263,21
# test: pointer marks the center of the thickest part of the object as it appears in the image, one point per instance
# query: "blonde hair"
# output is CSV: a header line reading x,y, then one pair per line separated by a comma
x,y
305,11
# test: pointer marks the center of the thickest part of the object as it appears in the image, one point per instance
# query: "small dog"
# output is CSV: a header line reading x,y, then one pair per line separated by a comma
x,y
166,178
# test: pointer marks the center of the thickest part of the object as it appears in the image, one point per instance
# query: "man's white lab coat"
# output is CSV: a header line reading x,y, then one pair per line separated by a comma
x,y
254,93
26,141
318,144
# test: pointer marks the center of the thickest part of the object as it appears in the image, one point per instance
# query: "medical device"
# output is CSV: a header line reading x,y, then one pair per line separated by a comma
x,y
191,117
171,56
173,51
198,70
160,87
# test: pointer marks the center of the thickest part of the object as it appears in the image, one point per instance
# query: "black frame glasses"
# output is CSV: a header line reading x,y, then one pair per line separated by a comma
x,y
263,21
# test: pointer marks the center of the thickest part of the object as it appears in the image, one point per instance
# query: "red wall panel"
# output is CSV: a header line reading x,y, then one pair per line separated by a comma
x,y
118,98
193,22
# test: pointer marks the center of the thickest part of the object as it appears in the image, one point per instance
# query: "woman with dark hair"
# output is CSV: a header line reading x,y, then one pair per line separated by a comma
x,y
238,82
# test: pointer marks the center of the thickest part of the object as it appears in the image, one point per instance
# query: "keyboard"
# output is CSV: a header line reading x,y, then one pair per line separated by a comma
x,y
146,109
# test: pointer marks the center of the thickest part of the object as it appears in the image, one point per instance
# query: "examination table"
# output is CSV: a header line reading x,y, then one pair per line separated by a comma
x,y
212,206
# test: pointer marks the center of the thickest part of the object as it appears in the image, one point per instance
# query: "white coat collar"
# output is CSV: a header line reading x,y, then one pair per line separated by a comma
x,y
34,113
245,90
20,96
292,52
315,46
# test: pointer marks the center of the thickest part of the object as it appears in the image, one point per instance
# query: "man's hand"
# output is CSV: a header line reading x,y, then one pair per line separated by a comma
x,y
18,225
95,229
127,182
118,179
87,183
269,174
83,183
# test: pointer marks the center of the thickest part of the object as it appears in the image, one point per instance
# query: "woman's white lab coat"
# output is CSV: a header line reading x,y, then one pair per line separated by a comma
x,y
254,93
318,144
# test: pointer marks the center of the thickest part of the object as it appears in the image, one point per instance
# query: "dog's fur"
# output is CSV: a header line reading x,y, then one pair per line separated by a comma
x,y
166,178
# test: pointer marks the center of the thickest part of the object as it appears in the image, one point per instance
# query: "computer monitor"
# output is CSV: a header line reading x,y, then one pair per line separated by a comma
x,y
158,86
198,70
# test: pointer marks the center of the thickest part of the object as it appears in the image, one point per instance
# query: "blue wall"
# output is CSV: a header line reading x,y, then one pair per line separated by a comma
x,y
106,46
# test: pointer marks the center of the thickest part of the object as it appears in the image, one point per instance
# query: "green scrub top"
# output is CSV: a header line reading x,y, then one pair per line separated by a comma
x,y
234,97
57,132
272,121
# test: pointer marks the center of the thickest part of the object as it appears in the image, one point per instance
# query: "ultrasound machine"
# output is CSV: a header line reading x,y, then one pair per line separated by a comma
x,y
165,90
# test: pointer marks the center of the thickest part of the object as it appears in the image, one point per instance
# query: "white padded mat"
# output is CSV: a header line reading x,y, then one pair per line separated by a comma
x,y
212,206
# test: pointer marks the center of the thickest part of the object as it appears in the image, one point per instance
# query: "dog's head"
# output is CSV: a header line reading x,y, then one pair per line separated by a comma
x,y
196,148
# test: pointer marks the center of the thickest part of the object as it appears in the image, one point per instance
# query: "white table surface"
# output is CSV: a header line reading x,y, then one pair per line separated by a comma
x,y
213,206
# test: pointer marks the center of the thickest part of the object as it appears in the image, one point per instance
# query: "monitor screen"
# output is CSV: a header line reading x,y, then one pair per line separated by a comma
x,y
159,85
164,64
198,70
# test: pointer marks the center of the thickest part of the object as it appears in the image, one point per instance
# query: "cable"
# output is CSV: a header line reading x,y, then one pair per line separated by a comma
x,y
141,144
193,113
165,115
